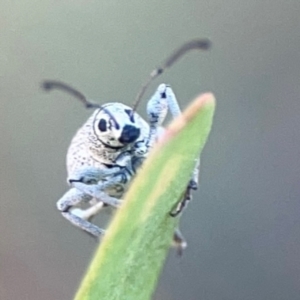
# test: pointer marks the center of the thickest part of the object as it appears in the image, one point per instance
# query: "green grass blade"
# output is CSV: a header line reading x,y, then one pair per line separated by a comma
x,y
128,262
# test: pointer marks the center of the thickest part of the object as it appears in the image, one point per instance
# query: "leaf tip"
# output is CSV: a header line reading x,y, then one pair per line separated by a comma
x,y
201,102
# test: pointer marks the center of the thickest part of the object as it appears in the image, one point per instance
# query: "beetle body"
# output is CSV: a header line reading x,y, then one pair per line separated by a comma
x,y
110,147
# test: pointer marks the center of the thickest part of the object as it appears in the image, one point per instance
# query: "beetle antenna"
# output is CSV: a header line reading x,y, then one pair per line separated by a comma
x,y
52,84
200,44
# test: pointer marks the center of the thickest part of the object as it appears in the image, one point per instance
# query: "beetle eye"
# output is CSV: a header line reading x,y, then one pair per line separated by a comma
x,y
102,125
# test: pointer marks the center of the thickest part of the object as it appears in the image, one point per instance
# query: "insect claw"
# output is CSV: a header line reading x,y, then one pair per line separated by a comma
x,y
193,185
174,214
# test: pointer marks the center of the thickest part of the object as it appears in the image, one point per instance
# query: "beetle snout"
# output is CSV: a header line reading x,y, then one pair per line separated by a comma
x,y
129,134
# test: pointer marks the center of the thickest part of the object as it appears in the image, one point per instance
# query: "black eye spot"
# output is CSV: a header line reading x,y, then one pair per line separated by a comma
x,y
129,112
102,125
163,95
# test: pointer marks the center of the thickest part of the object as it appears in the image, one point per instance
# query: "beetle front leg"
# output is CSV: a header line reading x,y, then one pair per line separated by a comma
x,y
164,99
88,213
157,109
96,191
88,227
88,181
92,175
175,111
68,202
187,195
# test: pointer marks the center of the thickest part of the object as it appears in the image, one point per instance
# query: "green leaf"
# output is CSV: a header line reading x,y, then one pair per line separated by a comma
x,y
131,255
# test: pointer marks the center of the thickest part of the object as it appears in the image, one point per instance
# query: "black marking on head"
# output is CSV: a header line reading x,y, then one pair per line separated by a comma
x,y
163,95
110,146
111,122
129,112
116,124
112,118
102,125
129,134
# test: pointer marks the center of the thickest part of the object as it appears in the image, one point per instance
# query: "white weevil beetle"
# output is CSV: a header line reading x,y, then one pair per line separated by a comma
x,y
107,150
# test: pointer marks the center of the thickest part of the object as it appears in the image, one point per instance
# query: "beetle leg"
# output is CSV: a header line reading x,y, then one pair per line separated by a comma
x,y
179,242
69,201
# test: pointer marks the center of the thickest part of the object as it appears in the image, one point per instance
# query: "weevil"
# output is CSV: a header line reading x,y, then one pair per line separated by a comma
x,y
106,152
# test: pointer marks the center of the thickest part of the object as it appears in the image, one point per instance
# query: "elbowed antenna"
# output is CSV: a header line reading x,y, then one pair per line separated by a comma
x,y
53,84
200,44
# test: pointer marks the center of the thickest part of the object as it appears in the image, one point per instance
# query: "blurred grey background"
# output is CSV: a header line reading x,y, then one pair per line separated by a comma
x,y
243,226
